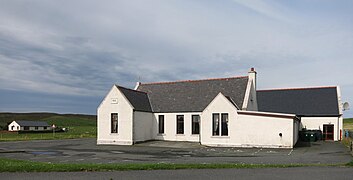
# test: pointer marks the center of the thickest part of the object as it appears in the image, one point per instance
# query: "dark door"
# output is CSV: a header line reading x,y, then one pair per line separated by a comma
x,y
328,131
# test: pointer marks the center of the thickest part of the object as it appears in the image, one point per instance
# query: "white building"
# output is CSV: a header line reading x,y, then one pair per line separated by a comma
x,y
28,126
319,108
214,112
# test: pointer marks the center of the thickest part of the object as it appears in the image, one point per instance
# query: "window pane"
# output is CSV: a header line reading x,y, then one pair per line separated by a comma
x,y
161,124
195,124
180,124
114,123
224,125
215,120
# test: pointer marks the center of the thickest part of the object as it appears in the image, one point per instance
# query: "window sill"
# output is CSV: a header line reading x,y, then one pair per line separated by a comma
x,y
160,134
221,137
180,134
195,134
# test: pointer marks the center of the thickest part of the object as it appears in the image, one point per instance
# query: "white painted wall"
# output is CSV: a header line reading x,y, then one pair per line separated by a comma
x,y
39,128
339,99
296,128
143,126
246,130
252,100
218,105
16,127
125,116
316,123
170,127
262,131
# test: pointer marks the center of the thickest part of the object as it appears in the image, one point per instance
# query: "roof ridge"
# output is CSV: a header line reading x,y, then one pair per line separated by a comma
x,y
130,89
197,80
297,88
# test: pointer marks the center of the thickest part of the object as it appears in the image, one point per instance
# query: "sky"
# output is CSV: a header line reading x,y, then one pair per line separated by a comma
x,y
64,56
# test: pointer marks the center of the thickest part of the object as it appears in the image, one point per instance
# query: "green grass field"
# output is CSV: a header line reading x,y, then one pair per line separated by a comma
x,y
348,123
79,126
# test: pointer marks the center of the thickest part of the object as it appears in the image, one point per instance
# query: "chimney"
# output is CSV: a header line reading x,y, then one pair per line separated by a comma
x,y
137,85
252,76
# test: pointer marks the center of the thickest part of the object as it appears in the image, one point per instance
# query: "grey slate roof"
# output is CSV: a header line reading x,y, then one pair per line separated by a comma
x,y
195,95
302,102
33,123
139,100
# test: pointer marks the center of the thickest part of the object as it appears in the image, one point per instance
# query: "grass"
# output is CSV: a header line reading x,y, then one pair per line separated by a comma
x,y
350,164
80,126
348,124
11,165
346,142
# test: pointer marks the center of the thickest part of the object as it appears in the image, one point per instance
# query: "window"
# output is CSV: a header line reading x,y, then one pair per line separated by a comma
x,y
26,128
114,123
180,124
215,123
220,128
195,124
45,128
224,126
161,124
36,127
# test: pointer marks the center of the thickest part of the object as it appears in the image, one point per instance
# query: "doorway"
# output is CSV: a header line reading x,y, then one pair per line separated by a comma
x,y
328,132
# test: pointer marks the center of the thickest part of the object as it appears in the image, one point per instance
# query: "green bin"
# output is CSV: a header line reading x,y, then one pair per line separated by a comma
x,y
312,136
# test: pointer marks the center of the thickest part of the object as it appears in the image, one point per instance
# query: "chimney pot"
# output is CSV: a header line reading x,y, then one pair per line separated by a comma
x,y
137,85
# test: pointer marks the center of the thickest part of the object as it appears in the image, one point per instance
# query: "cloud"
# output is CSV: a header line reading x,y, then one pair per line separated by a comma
x,y
83,47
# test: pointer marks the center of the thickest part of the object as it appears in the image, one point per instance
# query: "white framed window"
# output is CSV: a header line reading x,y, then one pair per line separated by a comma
x,y
161,124
220,124
114,122
180,124
195,124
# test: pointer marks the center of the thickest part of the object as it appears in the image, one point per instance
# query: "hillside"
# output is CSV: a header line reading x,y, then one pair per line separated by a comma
x,y
348,123
78,126
52,118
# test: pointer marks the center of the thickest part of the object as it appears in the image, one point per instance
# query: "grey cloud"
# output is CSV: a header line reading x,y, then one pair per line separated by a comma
x,y
83,47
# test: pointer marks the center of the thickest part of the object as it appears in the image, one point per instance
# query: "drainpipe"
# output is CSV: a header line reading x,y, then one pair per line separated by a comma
x,y
338,129
132,130
200,127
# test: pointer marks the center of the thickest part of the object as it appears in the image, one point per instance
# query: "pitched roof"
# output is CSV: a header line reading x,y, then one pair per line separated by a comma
x,y
193,95
139,100
32,123
318,101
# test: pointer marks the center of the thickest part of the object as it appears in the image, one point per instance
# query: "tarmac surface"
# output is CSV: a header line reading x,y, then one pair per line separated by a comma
x,y
342,173
86,151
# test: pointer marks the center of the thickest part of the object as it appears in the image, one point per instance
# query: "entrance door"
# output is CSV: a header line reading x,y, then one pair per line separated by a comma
x,y
328,131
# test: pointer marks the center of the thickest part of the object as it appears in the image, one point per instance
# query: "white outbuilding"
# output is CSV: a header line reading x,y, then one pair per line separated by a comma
x,y
28,126
214,112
